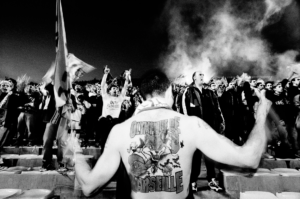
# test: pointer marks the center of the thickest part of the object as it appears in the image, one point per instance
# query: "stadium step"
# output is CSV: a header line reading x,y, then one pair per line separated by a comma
x,y
32,156
24,163
33,160
276,176
280,163
62,185
38,150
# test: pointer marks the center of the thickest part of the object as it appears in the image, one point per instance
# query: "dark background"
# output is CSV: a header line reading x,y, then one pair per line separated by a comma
x,y
120,34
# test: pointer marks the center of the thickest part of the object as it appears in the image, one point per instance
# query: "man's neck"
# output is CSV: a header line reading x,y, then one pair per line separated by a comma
x,y
152,102
199,87
276,93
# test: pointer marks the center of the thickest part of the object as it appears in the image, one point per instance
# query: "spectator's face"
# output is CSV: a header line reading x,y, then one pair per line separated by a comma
x,y
213,87
78,88
198,78
231,85
113,91
98,91
253,83
88,88
278,88
28,89
177,88
268,86
182,89
296,82
220,90
93,89
261,86
6,87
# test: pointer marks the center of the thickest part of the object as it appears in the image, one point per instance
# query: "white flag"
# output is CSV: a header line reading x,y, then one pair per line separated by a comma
x,y
61,84
75,65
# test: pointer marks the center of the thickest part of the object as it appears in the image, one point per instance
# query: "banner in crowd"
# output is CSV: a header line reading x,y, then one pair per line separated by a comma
x,y
61,85
76,65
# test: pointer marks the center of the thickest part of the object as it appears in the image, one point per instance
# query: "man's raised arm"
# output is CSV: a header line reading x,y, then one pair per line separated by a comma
x,y
103,82
127,78
107,165
221,149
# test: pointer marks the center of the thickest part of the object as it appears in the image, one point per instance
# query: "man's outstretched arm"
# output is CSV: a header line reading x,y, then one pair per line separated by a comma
x,y
103,82
221,149
107,165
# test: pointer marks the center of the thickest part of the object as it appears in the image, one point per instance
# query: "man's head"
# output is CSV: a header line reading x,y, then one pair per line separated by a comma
x,y
260,84
78,88
88,87
98,88
231,85
198,77
277,87
296,81
182,89
6,86
28,89
113,90
213,86
155,83
93,89
253,82
269,85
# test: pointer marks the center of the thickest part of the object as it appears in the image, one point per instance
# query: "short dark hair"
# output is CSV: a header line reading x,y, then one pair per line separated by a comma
x,y
194,76
110,86
154,81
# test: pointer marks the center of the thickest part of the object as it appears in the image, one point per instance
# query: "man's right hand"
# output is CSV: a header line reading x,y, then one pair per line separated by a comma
x,y
263,103
106,70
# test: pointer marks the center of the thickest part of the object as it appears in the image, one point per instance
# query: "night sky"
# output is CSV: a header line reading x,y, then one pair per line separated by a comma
x,y
120,34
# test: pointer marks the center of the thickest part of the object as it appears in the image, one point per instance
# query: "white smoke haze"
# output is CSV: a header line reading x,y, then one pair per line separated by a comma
x,y
228,45
284,62
274,10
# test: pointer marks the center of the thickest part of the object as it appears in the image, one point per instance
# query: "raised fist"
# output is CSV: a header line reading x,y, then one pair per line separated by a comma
x,y
106,70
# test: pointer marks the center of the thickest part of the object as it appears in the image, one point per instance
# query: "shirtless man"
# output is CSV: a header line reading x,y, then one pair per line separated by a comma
x,y
157,144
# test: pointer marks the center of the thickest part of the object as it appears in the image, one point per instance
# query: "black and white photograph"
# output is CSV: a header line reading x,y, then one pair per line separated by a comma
x,y
161,99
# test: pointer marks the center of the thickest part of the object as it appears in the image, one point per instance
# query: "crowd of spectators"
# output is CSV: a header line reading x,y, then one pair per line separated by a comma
x,y
31,100
238,102
24,105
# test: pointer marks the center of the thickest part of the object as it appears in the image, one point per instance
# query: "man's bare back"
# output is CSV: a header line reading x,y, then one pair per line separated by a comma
x,y
156,147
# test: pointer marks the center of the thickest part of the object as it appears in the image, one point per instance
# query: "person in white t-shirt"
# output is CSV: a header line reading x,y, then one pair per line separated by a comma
x,y
112,103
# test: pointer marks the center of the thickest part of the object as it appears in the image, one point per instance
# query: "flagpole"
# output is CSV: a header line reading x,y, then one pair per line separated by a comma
x,y
62,85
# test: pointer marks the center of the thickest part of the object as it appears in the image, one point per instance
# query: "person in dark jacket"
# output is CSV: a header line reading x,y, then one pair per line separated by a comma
x,y
230,104
49,113
8,111
280,135
294,98
203,103
28,119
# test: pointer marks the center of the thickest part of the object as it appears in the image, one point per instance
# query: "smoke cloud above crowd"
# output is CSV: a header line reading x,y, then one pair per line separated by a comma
x,y
227,38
